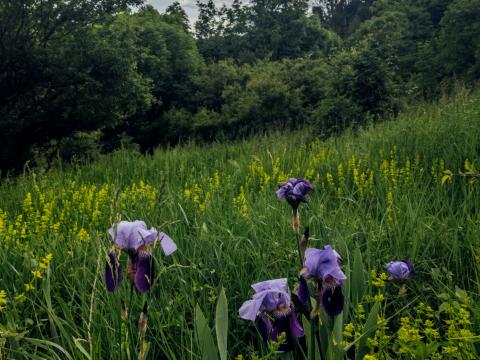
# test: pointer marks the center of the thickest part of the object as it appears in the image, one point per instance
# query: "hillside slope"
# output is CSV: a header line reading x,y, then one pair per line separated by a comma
x,y
395,191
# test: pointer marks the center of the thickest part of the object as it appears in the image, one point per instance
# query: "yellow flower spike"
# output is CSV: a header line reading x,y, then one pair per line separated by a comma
x,y
20,298
37,274
83,235
3,298
29,287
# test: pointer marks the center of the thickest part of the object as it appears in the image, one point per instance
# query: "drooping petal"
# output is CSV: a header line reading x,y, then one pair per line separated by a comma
x,y
282,325
302,291
168,245
250,309
411,269
144,271
332,300
295,328
113,272
265,327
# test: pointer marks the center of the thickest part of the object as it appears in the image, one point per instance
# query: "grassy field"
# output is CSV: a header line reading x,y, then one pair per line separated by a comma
x,y
404,189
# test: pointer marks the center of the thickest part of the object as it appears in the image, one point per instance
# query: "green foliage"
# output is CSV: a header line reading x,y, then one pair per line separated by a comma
x,y
460,26
217,202
204,336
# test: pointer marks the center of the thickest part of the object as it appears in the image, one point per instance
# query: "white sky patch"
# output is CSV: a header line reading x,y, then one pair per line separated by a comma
x,y
189,6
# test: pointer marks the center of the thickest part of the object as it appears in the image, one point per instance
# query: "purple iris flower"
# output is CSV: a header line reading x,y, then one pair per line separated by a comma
x,y
272,309
400,270
136,240
294,191
323,266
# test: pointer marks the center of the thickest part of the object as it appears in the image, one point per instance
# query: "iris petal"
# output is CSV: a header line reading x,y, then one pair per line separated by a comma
x,y
113,272
265,327
302,291
332,301
295,328
144,271
167,244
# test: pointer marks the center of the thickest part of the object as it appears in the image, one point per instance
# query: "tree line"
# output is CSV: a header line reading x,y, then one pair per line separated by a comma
x,y
87,76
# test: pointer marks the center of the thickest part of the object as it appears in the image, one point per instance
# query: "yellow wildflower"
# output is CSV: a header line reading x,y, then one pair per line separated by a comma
x,y
83,235
20,297
37,274
3,298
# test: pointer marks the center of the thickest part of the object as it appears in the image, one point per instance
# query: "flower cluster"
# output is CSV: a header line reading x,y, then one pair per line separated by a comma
x,y
136,240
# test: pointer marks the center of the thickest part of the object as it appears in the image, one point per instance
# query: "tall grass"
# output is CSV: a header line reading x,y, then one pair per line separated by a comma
x,y
385,190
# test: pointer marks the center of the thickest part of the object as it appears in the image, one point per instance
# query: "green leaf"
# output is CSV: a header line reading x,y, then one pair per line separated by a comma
x,y
312,346
335,351
221,324
357,283
78,344
204,336
370,327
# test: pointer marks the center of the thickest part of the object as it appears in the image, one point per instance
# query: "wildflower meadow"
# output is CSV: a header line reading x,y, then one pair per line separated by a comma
x,y
362,246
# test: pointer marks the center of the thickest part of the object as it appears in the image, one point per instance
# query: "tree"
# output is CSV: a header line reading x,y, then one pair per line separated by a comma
x,y
61,72
176,14
460,40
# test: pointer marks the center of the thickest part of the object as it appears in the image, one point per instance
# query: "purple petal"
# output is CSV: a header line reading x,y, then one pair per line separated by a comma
x,y
302,291
324,265
131,235
269,296
282,325
295,327
113,272
265,327
168,246
148,236
411,269
276,284
273,293
332,300
293,181
144,271
249,309
284,190
302,188
400,270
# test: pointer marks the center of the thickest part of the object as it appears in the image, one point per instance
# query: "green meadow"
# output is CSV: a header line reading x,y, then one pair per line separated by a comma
x,y
407,188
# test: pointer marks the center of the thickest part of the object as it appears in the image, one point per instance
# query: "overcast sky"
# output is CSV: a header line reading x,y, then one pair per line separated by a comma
x,y
188,5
